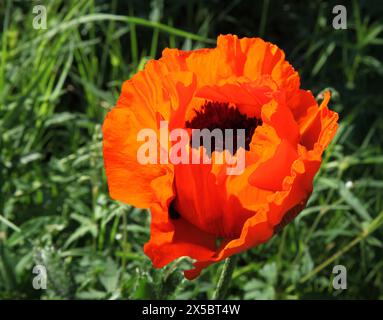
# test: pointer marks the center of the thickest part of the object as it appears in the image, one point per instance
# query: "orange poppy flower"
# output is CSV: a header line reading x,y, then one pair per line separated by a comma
x,y
242,83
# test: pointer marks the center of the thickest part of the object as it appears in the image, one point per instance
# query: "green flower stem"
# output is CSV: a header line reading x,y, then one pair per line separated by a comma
x,y
225,277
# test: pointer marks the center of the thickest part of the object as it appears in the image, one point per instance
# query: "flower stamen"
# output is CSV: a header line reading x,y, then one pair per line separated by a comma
x,y
221,115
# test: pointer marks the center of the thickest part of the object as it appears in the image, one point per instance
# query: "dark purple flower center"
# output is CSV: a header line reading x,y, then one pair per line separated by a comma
x,y
221,115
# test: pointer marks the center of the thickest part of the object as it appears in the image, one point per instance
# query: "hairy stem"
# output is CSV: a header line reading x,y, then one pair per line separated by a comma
x,y
225,278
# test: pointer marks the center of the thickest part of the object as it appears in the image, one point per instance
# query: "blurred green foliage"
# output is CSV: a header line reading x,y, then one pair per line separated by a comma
x,y
56,86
